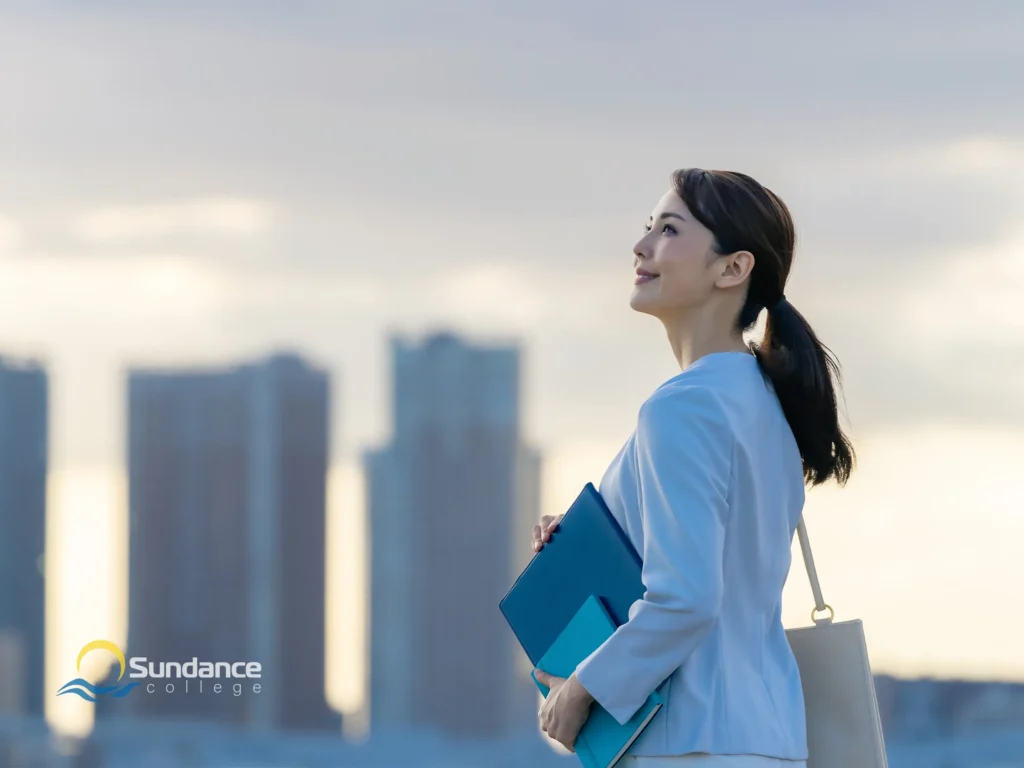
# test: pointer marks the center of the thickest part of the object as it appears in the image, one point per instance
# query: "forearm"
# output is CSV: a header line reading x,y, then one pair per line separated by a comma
x,y
642,653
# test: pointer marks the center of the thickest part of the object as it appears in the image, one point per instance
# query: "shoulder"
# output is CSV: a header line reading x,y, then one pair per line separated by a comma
x,y
684,411
683,398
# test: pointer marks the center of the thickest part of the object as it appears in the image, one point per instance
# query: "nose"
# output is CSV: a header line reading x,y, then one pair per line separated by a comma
x,y
639,250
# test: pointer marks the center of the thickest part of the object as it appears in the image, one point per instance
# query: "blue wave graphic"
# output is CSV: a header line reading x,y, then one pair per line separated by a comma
x,y
90,692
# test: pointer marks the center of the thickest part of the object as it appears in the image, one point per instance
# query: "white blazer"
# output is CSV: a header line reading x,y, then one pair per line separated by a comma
x,y
709,488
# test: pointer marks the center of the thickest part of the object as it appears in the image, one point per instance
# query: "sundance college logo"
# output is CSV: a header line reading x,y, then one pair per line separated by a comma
x,y
194,672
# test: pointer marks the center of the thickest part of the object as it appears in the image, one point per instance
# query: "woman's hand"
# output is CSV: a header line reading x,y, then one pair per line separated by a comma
x,y
542,532
565,709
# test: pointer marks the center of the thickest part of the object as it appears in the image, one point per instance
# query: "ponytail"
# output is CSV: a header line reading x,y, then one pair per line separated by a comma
x,y
745,215
805,376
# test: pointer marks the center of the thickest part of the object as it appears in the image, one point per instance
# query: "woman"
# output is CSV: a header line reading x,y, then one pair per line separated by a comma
x,y
710,488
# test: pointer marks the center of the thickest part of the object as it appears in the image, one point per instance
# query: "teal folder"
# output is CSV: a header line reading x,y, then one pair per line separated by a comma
x,y
602,742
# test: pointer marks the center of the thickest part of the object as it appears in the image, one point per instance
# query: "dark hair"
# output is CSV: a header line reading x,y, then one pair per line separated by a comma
x,y
743,215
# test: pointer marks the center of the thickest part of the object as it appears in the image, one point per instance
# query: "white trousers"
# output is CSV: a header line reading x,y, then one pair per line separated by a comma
x,y
709,761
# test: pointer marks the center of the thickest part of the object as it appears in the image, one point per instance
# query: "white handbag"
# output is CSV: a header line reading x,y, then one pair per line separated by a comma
x,y
844,729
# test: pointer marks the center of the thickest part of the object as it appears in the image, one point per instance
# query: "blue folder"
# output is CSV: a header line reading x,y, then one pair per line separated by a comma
x,y
589,561
588,554
601,742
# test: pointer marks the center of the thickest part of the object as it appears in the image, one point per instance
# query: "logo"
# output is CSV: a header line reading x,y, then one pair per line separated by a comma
x,y
195,671
82,687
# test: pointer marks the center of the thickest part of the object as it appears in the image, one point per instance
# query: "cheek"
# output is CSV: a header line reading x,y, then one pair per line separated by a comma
x,y
683,275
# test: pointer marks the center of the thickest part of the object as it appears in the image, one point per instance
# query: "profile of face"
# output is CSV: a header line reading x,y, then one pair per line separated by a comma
x,y
687,272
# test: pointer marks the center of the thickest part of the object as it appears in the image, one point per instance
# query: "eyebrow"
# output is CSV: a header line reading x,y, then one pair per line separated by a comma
x,y
668,215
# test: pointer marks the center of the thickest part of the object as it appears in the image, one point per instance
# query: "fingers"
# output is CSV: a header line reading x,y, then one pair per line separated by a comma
x,y
542,532
556,734
549,723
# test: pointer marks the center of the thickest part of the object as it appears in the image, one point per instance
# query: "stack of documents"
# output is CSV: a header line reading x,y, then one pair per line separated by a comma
x,y
569,600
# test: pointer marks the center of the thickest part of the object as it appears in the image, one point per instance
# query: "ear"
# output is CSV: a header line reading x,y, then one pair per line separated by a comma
x,y
734,269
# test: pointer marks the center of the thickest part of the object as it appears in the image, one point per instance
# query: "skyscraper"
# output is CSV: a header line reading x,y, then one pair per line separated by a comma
x,y
23,465
526,701
447,501
227,504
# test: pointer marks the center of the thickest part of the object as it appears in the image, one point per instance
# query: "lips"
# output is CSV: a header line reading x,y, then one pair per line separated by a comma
x,y
643,276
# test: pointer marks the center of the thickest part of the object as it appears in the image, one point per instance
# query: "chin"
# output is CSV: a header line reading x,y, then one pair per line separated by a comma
x,y
638,304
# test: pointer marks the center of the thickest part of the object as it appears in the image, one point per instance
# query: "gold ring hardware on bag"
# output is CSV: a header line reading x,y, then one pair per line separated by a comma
x,y
831,613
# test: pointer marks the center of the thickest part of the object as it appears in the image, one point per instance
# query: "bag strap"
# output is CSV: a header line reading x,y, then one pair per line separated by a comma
x,y
820,605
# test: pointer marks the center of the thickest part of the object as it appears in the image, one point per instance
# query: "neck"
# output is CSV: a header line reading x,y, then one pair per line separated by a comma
x,y
697,334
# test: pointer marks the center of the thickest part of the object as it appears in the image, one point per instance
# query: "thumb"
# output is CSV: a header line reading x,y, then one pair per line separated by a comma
x,y
545,679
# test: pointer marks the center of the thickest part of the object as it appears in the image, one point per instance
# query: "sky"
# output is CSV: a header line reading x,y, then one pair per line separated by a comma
x,y
206,182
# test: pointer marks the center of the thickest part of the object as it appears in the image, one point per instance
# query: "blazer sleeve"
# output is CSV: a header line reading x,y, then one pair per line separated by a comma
x,y
684,453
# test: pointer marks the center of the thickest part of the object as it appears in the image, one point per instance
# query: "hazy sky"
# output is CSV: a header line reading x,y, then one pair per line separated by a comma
x,y
200,180
191,182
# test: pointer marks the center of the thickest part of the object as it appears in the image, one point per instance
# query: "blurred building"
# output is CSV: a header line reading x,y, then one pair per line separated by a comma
x,y
227,499
448,502
23,466
922,709
526,700
12,673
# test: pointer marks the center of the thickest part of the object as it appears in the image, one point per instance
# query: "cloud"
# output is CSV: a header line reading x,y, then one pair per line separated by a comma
x,y
207,217
108,303
330,170
328,99
982,154
974,295
914,203
521,296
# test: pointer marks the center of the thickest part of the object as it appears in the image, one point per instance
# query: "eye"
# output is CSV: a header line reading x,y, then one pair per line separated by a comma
x,y
666,229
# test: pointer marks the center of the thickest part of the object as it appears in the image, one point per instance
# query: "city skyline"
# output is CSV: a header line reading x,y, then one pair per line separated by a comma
x,y
570,470
190,452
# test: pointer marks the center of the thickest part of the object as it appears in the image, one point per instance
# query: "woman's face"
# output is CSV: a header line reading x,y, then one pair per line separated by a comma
x,y
677,249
